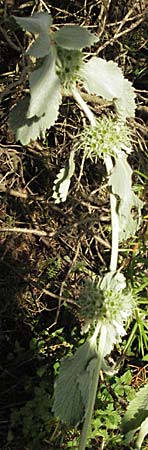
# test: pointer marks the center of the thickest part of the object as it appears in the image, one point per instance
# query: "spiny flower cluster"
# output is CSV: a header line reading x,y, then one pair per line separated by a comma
x,y
106,138
91,302
107,301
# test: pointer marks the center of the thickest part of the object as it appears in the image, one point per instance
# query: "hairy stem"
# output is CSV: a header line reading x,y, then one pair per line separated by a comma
x,y
114,220
109,167
93,389
83,105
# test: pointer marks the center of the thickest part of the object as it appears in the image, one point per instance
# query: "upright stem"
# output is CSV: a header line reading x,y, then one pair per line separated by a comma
x,y
113,267
114,221
109,167
93,390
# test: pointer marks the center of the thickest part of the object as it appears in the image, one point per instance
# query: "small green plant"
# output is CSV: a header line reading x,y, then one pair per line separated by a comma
x,y
50,269
106,302
136,418
108,409
34,418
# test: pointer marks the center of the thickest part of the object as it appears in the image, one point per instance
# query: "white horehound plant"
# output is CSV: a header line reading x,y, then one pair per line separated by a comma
x,y
105,303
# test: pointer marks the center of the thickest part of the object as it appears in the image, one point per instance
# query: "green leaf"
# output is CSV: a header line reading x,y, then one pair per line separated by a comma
x,y
74,37
41,46
70,401
137,411
120,181
37,23
142,433
62,182
105,79
44,88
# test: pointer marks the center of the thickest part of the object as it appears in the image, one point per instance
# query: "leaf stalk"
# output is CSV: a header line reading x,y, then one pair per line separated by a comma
x,y
83,105
93,389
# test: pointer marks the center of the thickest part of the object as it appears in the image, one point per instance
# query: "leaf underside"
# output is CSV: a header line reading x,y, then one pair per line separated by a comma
x,y
105,79
27,130
137,411
44,84
121,186
31,116
74,37
142,433
62,181
71,393
125,105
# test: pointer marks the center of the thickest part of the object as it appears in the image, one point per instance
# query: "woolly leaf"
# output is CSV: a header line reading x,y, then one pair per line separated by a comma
x,y
113,281
74,37
114,333
24,129
62,182
85,380
31,117
41,46
29,129
142,433
125,105
70,402
44,88
137,411
37,23
105,79
121,186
